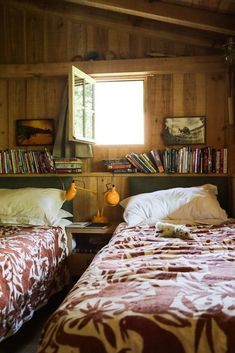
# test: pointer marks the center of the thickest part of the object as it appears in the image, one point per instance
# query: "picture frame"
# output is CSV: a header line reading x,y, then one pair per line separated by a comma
x,y
184,130
34,132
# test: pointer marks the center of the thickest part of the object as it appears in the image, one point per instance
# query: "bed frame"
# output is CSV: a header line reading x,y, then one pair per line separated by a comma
x,y
138,185
57,182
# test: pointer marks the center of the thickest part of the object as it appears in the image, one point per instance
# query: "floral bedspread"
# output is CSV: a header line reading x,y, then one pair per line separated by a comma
x,y
32,268
145,293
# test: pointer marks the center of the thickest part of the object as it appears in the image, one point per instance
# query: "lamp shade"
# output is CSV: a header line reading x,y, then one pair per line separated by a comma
x,y
111,196
71,192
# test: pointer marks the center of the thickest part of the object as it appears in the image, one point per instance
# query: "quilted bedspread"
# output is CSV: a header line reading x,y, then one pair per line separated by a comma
x,y
145,293
32,268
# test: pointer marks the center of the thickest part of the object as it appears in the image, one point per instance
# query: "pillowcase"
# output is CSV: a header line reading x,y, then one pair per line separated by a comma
x,y
34,206
61,218
194,204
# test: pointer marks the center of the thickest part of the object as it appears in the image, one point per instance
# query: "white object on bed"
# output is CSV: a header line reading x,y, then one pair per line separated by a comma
x,y
194,204
34,206
168,230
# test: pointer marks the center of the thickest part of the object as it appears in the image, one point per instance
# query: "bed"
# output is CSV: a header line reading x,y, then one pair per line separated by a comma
x,y
147,292
33,246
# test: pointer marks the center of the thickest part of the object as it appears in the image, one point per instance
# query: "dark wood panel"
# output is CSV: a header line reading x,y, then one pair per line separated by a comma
x,y
14,36
34,38
140,185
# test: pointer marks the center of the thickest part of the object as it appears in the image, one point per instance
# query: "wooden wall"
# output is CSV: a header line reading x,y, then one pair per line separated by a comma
x,y
178,94
58,32
32,36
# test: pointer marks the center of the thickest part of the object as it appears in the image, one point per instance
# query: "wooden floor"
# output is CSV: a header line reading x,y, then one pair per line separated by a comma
x,y
26,339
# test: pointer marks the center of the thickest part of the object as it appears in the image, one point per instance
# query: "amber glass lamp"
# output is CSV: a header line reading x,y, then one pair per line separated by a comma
x,y
110,198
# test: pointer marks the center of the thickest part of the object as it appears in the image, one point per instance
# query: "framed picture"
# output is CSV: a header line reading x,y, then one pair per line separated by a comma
x,y
34,132
190,130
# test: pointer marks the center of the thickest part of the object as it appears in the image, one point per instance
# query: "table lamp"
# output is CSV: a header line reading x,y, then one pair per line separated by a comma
x,y
111,198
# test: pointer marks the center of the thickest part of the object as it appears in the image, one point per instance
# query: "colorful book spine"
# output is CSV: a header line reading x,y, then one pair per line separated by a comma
x,y
68,170
138,160
134,163
67,165
157,160
125,170
119,166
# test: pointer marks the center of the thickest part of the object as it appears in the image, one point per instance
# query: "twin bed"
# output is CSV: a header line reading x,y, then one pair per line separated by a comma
x,y
145,292
33,246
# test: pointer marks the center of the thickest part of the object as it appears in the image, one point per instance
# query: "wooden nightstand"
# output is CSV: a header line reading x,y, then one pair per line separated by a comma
x,y
88,242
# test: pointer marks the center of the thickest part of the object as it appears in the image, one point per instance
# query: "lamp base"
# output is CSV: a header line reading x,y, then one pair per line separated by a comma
x,y
100,219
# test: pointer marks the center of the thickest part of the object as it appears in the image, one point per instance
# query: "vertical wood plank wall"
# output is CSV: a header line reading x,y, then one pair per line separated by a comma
x,y
31,37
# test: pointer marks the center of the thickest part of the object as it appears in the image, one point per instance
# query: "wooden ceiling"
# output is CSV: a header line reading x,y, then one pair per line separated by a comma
x,y
201,24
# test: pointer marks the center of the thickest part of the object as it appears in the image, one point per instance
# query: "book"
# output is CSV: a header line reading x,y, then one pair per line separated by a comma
x,y
115,161
148,162
157,160
97,225
134,163
119,166
225,158
134,156
67,160
125,170
67,165
68,170
80,224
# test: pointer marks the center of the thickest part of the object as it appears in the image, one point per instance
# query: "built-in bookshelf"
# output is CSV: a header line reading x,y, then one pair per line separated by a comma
x,y
183,160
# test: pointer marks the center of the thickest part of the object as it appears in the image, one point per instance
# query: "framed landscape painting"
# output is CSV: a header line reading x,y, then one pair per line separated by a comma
x,y
189,130
34,132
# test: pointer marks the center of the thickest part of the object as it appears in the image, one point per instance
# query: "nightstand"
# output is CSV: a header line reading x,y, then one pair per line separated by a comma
x,y
88,242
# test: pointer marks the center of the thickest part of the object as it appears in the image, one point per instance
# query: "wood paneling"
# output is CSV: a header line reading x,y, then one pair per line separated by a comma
x,y
34,38
215,109
16,107
56,40
14,31
175,86
4,133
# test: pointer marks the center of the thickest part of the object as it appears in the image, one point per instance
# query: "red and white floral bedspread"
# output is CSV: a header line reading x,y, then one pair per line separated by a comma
x,y
32,268
143,293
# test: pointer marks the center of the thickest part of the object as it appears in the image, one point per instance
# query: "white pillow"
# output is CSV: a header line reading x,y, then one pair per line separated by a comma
x,y
36,206
194,204
61,218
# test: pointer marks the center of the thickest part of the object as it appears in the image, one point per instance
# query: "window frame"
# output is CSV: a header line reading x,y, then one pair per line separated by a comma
x,y
74,73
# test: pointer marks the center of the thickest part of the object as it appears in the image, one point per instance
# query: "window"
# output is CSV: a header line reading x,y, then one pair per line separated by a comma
x,y
81,106
119,112
108,112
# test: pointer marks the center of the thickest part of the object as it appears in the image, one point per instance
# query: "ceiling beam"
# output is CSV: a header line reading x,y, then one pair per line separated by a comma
x,y
79,14
179,15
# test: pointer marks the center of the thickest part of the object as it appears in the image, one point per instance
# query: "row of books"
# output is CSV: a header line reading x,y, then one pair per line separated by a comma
x,y
119,165
19,161
24,162
134,163
172,160
196,160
